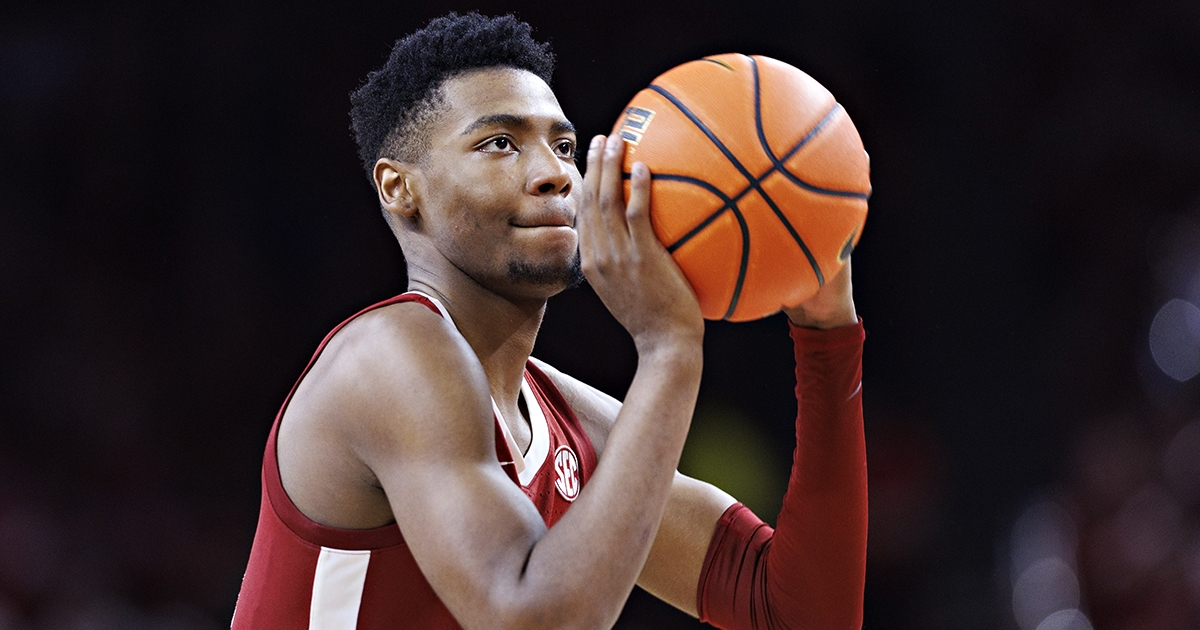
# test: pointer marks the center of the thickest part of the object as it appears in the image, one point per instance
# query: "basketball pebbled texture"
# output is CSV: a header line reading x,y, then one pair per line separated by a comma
x,y
759,180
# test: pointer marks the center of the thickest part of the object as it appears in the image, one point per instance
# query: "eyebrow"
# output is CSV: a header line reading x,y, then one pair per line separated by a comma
x,y
519,122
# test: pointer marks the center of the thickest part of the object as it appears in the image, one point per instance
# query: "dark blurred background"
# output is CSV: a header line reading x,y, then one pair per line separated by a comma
x,y
183,219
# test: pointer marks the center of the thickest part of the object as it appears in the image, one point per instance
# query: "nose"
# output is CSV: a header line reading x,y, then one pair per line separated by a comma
x,y
549,174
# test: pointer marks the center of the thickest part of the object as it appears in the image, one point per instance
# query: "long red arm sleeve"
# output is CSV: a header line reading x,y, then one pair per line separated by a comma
x,y
809,571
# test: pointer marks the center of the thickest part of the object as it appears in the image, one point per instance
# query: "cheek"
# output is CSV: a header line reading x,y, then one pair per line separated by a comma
x,y
469,207
469,213
483,190
470,228
452,207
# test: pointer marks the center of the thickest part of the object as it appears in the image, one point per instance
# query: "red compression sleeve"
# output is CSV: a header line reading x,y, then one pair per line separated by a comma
x,y
809,571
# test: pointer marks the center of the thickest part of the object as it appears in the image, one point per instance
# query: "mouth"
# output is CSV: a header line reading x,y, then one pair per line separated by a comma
x,y
554,218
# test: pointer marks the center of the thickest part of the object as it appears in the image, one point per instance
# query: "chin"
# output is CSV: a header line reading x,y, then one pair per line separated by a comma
x,y
558,275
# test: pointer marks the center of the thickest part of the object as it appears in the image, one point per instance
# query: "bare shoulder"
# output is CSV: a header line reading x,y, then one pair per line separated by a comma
x,y
405,372
595,409
397,386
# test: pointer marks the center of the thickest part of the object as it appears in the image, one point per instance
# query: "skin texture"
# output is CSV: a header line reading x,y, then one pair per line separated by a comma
x,y
358,449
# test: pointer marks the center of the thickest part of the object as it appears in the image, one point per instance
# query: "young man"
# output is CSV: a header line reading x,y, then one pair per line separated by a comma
x,y
420,472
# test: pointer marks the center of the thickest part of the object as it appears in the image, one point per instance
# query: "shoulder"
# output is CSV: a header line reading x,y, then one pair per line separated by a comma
x,y
595,409
395,344
397,376
397,336
394,388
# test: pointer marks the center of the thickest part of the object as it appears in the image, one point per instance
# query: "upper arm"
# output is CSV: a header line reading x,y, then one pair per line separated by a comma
x,y
423,423
672,570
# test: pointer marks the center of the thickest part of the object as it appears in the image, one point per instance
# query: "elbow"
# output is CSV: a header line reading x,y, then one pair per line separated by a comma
x,y
557,611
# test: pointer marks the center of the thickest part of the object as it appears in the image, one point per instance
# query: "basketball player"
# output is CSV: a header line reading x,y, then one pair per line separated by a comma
x,y
425,472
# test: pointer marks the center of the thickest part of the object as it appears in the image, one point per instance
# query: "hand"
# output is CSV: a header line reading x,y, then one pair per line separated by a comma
x,y
831,306
623,260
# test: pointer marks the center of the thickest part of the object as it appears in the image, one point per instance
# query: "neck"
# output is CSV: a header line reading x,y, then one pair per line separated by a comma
x,y
501,330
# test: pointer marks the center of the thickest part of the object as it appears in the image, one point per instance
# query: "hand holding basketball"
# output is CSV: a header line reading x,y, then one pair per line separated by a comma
x,y
760,180
625,264
831,306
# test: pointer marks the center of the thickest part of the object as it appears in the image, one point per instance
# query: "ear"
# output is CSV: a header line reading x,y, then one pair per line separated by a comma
x,y
398,186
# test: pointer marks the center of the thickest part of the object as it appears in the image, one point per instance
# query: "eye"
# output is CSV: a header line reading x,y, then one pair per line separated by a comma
x,y
499,143
566,149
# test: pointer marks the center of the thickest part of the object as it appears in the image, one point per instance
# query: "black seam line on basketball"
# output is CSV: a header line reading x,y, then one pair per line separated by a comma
x,y
741,279
719,63
779,163
782,167
776,164
755,183
731,205
708,132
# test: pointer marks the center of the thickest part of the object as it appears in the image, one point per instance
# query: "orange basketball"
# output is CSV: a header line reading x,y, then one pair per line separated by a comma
x,y
759,180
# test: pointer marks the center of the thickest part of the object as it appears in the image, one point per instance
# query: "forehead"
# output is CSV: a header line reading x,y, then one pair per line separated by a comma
x,y
478,93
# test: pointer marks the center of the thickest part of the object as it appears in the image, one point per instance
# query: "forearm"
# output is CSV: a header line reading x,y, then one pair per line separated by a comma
x,y
808,573
819,549
593,556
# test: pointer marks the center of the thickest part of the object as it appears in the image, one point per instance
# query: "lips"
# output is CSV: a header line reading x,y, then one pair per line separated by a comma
x,y
550,217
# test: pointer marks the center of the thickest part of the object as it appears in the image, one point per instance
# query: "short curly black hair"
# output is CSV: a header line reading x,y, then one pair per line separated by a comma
x,y
391,111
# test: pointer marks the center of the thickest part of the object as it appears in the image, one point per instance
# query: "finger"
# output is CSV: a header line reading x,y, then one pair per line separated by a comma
x,y
589,223
841,279
591,177
638,212
612,194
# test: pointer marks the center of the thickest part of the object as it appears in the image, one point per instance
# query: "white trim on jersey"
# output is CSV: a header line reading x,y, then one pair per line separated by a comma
x,y
528,464
539,445
338,588
441,309
518,461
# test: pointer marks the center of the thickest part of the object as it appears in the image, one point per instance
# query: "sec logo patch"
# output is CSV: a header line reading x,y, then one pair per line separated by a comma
x,y
566,469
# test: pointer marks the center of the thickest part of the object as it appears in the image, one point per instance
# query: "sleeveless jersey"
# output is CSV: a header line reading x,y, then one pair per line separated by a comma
x,y
304,575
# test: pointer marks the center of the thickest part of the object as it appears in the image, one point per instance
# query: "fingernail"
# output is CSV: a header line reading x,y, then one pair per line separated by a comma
x,y
639,169
596,141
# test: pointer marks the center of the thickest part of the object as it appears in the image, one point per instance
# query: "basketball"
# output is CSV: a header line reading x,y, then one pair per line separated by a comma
x,y
759,180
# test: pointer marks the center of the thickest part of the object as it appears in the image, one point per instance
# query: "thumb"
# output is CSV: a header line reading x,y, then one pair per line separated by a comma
x,y
637,213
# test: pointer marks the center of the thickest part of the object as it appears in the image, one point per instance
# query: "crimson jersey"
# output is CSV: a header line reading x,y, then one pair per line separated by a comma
x,y
305,575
